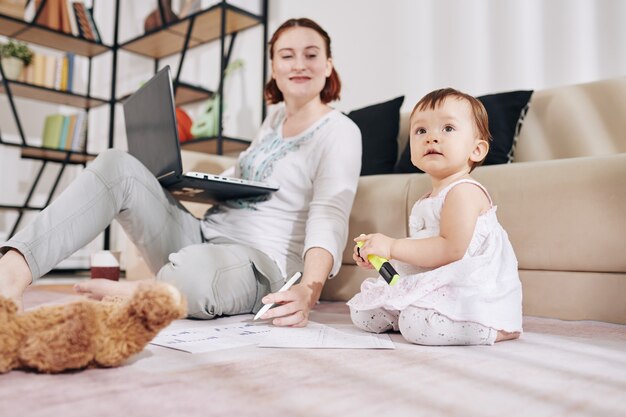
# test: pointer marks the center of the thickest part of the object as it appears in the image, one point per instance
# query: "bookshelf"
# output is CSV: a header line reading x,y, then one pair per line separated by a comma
x,y
50,95
34,33
217,23
221,22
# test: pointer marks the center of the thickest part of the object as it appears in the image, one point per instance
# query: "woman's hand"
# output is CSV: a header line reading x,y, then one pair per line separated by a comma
x,y
293,307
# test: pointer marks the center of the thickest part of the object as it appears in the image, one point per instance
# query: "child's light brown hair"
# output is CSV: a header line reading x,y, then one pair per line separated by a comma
x,y
435,98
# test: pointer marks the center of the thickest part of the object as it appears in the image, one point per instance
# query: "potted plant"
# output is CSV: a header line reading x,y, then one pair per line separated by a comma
x,y
14,56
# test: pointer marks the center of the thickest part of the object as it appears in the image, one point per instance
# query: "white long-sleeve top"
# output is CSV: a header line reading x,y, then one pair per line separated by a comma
x,y
317,171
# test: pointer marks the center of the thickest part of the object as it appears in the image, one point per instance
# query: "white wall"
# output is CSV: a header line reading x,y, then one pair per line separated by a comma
x,y
381,48
385,48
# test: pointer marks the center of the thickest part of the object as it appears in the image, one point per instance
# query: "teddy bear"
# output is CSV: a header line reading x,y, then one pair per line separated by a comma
x,y
85,333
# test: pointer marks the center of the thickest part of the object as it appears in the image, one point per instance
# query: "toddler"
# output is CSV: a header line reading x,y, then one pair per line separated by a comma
x,y
458,283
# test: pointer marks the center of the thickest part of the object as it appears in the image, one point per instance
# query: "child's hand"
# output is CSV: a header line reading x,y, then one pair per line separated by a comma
x,y
375,244
361,262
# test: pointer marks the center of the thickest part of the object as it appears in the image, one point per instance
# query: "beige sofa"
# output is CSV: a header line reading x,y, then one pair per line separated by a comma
x,y
562,202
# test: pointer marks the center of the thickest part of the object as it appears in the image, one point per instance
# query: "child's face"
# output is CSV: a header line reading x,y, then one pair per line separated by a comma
x,y
444,140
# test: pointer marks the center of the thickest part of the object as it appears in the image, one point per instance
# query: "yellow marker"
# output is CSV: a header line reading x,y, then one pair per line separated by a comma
x,y
382,265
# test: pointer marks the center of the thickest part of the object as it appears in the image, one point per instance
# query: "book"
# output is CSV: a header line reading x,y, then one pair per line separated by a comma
x,y
70,132
63,135
63,82
29,73
70,72
84,28
49,71
53,125
50,15
92,25
65,17
80,132
58,72
72,17
39,62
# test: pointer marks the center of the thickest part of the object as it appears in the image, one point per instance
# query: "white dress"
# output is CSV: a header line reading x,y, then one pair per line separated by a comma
x,y
482,287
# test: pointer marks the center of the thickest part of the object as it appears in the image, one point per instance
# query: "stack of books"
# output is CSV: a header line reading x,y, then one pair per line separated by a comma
x,y
69,16
52,71
65,132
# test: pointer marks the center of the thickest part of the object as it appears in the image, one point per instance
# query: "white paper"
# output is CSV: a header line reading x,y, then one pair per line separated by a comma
x,y
200,339
225,334
317,335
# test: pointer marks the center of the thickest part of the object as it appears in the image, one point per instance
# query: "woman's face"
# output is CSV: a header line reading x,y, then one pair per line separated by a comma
x,y
300,65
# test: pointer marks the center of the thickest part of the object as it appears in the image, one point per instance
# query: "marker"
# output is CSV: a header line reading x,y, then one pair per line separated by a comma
x,y
285,287
382,265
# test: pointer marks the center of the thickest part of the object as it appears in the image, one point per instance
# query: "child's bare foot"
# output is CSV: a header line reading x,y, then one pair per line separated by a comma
x,y
502,335
100,288
15,276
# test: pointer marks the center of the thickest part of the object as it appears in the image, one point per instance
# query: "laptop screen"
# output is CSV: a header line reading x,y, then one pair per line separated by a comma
x,y
151,131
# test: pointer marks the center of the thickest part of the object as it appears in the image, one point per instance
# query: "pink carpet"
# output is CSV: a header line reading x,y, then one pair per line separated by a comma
x,y
557,368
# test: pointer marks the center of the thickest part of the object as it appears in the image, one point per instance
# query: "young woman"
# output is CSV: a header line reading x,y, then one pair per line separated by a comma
x,y
233,260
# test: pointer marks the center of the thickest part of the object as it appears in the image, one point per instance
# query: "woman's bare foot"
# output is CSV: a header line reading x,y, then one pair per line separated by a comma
x,y
99,288
15,276
502,335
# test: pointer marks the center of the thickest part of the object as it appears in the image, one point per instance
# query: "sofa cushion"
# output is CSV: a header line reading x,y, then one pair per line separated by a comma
x,y
573,121
379,125
505,111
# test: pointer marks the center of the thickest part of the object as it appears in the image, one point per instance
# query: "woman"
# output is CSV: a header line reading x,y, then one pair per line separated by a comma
x,y
240,254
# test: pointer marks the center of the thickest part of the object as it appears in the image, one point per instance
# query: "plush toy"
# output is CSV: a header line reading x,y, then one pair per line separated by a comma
x,y
85,333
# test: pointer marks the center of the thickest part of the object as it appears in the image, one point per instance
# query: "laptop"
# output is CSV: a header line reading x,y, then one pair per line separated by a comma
x,y
152,136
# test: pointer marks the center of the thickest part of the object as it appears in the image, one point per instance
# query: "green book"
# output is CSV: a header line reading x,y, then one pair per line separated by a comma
x,y
52,131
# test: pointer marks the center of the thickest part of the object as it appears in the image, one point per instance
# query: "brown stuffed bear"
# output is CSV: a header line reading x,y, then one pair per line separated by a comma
x,y
85,333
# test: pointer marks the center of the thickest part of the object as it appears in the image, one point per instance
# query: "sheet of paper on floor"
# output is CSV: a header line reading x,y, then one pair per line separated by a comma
x,y
317,335
211,337
208,338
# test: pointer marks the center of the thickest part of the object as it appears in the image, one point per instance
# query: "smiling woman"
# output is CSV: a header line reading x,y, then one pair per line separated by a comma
x,y
237,257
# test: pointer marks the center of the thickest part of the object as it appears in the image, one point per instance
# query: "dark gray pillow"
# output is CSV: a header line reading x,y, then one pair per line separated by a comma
x,y
379,125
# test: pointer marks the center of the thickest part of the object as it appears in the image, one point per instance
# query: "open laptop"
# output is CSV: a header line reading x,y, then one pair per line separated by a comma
x,y
152,137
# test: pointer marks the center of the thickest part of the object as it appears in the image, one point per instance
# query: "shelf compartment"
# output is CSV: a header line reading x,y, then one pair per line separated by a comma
x,y
170,40
50,95
187,94
56,155
209,145
41,35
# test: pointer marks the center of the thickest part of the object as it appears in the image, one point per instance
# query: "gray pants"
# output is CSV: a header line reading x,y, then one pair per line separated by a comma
x,y
424,326
218,277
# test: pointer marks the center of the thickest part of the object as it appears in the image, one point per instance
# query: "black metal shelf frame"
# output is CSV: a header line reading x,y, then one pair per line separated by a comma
x,y
224,8
44,36
41,35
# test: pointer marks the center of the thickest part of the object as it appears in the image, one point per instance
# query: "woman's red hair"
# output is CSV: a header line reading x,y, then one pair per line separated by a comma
x,y
331,89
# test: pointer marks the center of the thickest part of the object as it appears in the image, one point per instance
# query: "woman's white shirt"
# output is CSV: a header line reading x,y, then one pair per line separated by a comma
x,y
317,171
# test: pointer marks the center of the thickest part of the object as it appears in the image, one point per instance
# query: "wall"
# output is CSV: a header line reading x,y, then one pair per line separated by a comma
x,y
381,49
388,48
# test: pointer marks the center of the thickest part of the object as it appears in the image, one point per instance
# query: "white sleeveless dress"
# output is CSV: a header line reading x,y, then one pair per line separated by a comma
x,y
482,287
